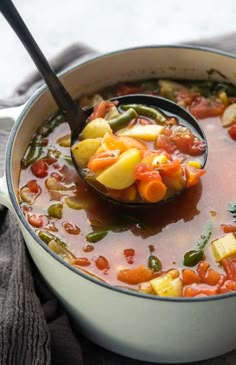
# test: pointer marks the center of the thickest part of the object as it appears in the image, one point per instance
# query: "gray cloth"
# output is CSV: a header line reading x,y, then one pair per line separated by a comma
x,y
34,328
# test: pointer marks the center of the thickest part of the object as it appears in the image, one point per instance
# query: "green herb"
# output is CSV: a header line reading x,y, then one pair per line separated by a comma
x,y
231,207
154,263
193,257
96,236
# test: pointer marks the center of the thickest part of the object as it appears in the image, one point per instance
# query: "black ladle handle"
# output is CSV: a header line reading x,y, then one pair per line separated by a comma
x,y
64,101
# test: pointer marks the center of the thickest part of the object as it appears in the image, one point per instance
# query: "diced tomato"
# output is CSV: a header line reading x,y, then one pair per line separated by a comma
x,y
103,159
71,228
228,228
129,255
227,287
193,175
199,290
102,263
135,275
185,96
170,169
33,186
187,143
212,277
57,176
49,160
81,261
202,268
39,168
88,248
202,107
208,275
163,142
126,89
146,172
229,266
100,110
35,220
232,132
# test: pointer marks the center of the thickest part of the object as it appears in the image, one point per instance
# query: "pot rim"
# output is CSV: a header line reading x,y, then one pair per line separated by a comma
x,y
43,245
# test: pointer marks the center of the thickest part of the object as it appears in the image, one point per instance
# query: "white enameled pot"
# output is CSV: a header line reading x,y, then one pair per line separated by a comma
x,y
140,326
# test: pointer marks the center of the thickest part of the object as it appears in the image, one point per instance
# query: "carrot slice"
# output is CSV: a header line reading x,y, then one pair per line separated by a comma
x,y
102,160
190,276
135,275
152,191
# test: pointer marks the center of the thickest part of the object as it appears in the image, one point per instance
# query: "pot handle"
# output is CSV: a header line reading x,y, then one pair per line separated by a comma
x,y
7,119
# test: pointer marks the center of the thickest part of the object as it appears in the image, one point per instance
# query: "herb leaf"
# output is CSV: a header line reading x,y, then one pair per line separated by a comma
x,y
205,236
231,207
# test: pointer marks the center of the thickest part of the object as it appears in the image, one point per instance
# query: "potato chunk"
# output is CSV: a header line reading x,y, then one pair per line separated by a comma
x,y
120,175
82,151
224,247
167,285
96,128
148,132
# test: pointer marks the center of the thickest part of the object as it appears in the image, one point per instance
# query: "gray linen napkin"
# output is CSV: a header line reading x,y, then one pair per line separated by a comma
x,y
34,328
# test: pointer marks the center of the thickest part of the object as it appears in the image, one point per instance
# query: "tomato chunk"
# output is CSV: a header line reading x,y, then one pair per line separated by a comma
x,y
232,132
202,107
39,168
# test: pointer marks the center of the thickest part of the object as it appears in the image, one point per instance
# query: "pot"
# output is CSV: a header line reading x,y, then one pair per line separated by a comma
x,y
140,326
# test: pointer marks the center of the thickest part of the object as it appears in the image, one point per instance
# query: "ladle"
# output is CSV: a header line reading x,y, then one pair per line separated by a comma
x,y
74,114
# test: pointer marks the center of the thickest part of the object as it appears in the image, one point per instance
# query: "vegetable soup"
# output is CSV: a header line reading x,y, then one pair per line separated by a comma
x,y
186,246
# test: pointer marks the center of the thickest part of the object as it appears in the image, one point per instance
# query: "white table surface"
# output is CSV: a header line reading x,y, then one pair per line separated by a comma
x,y
107,25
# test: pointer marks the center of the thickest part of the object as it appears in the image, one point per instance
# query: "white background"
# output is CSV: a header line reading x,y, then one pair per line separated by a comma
x,y
107,25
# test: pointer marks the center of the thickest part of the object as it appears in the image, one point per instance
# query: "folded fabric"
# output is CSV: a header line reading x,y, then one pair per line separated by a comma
x,y
35,329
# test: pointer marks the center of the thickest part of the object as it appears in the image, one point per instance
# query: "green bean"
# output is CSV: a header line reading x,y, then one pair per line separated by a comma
x,y
191,258
55,210
33,152
96,236
68,159
49,125
47,237
154,263
122,120
146,111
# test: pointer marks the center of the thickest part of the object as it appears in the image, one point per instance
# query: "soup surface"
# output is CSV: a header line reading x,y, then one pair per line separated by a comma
x,y
184,247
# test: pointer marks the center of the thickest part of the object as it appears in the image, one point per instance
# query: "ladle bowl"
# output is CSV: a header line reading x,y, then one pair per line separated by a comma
x,y
74,114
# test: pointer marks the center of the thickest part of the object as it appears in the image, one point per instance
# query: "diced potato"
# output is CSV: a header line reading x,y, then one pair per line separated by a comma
x,y
146,288
120,175
229,115
53,184
87,102
148,132
96,128
168,285
75,202
64,141
83,150
224,247
168,88
195,163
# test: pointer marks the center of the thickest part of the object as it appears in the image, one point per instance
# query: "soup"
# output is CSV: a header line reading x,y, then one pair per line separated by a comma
x,y
186,247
